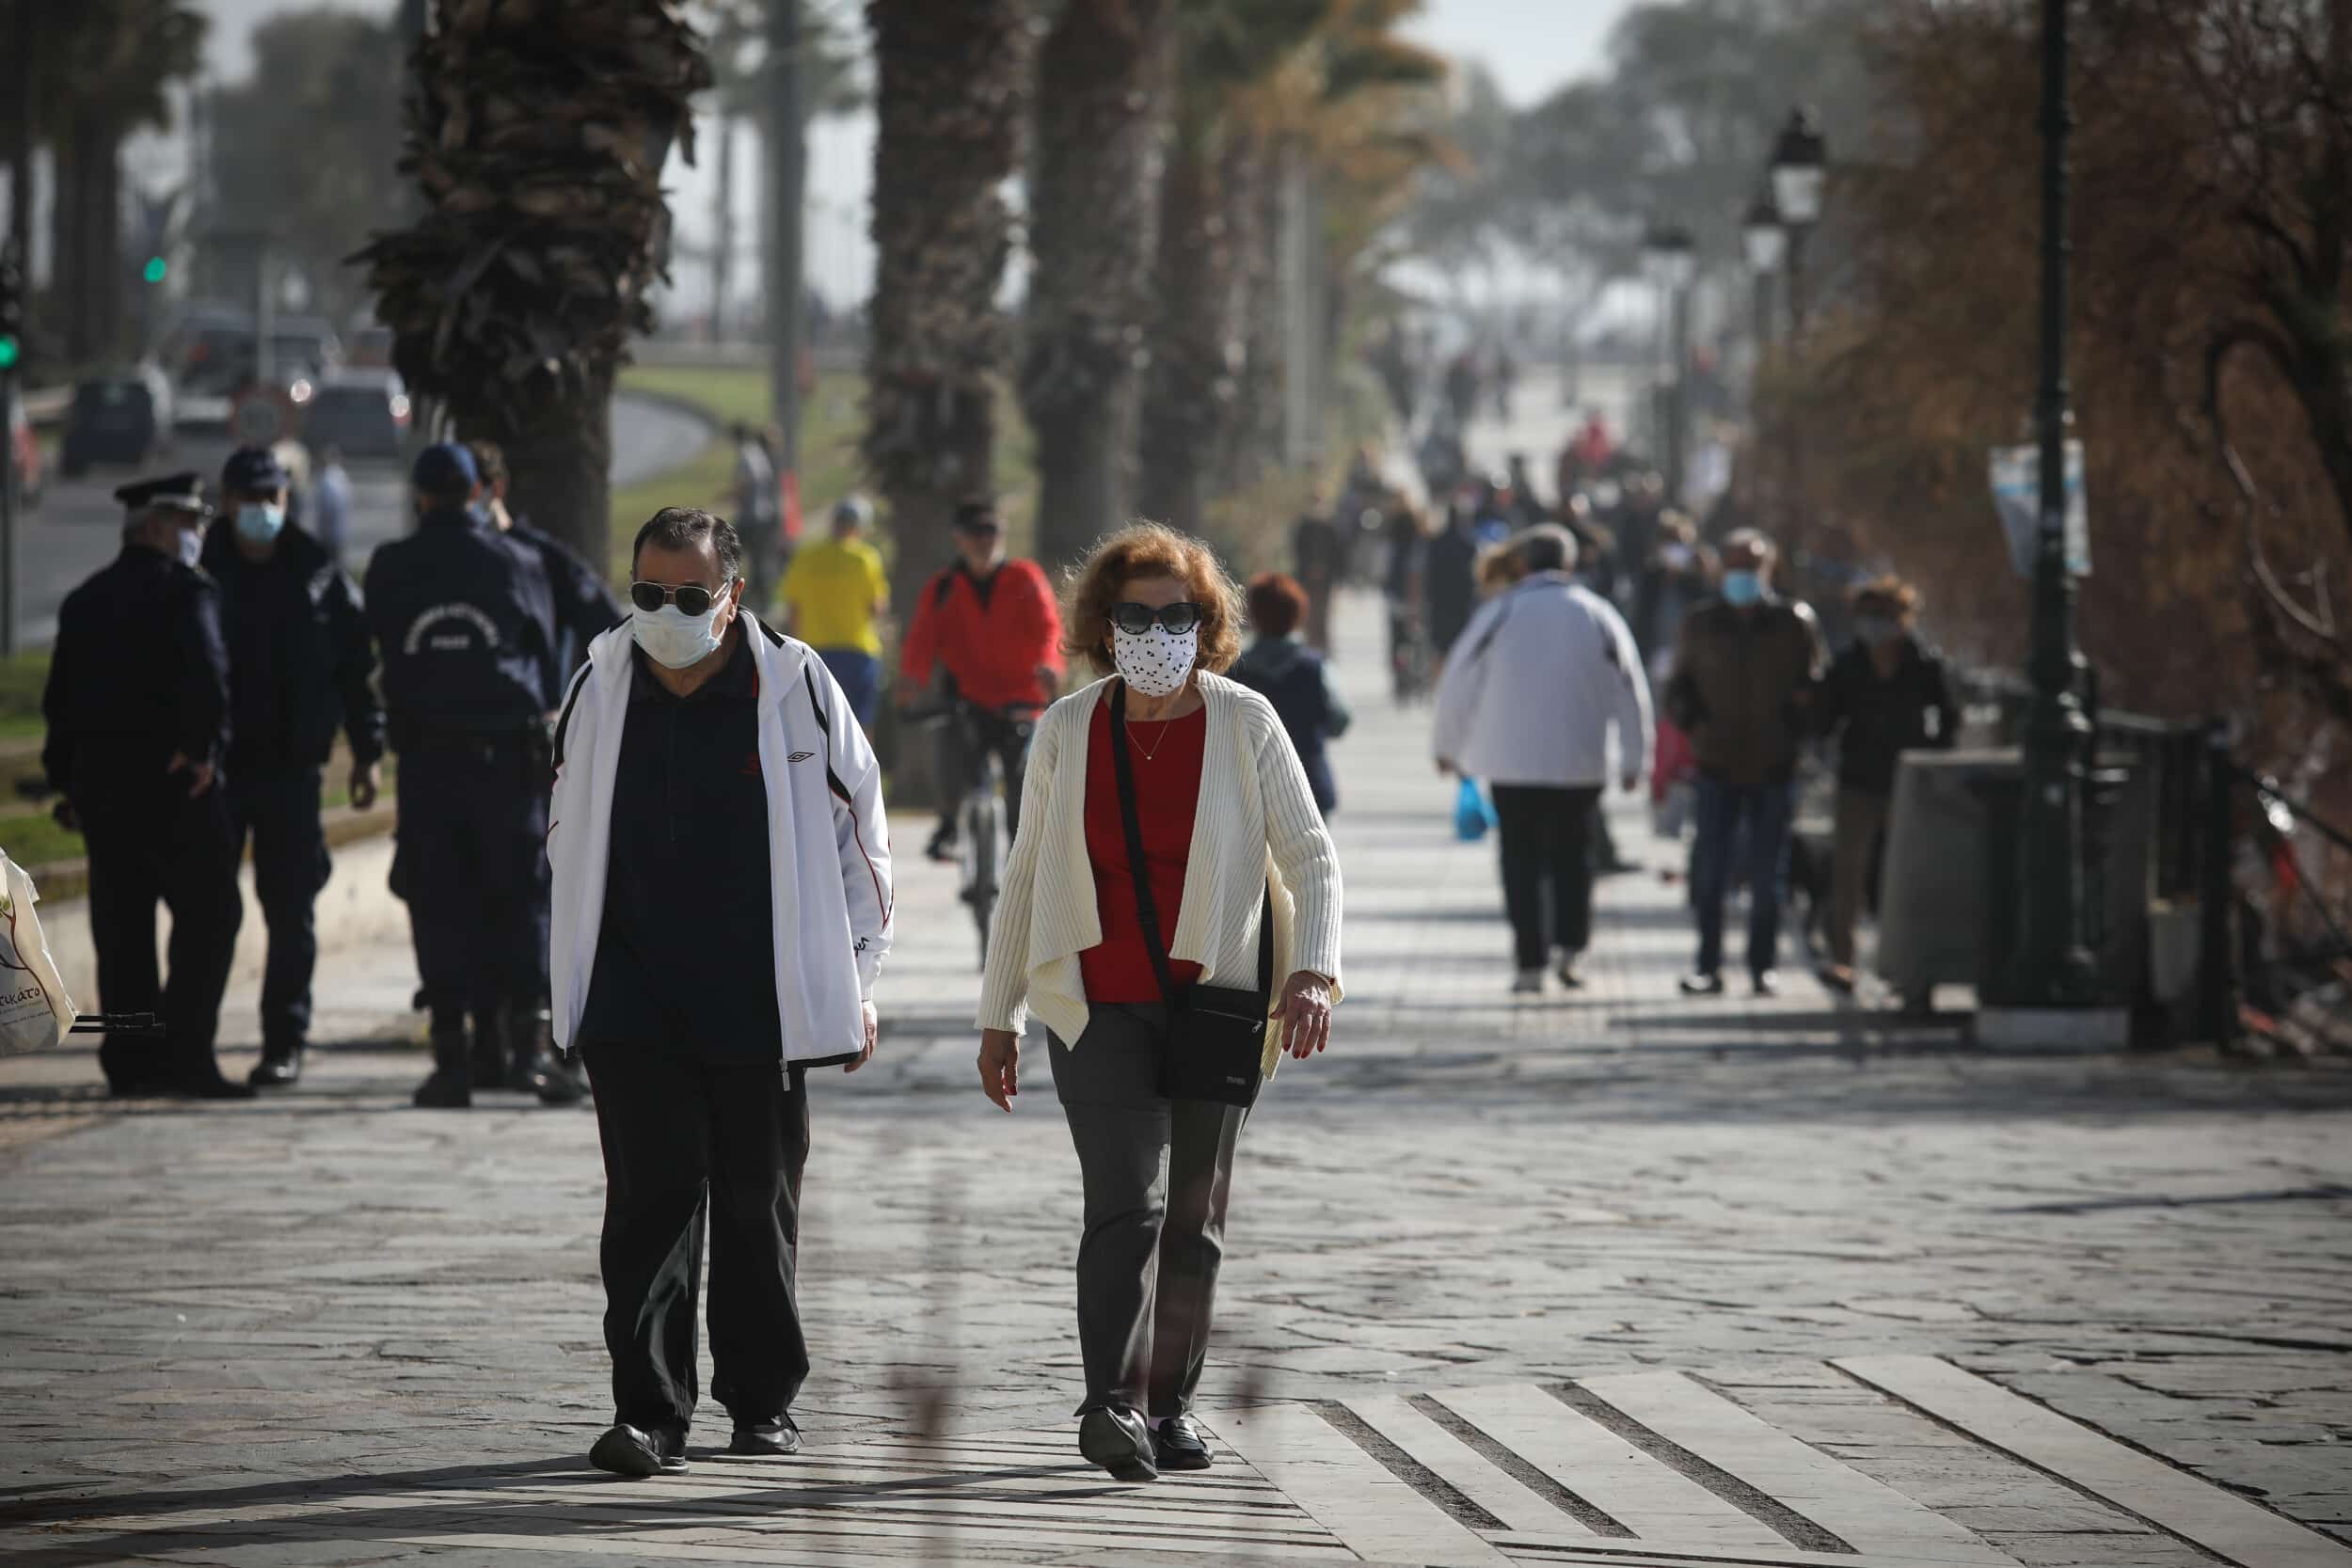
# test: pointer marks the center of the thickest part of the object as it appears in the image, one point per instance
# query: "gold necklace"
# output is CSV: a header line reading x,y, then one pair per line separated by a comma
x,y
1154,751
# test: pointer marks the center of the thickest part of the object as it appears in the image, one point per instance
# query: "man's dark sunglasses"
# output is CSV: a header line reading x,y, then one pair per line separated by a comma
x,y
692,597
1136,619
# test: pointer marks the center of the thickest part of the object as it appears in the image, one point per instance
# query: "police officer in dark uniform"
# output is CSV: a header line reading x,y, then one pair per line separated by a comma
x,y
299,663
138,707
466,626
585,608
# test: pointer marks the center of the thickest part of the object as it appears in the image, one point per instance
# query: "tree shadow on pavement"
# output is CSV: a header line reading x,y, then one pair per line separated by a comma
x,y
490,1499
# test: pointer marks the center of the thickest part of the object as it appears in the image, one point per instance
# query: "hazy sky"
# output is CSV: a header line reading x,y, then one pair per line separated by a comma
x,y
1531,46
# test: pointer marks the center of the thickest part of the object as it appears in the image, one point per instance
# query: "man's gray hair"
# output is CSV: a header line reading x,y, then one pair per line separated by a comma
x,y
1754,540
1547,548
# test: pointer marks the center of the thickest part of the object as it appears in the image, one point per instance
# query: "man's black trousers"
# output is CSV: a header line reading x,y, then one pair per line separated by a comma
x,y
1543,835
683,1138
290,866
150,842
472,864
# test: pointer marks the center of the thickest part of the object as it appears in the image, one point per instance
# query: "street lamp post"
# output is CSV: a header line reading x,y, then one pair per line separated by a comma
x,y
1765,239
2051,966
1800,168
1672,259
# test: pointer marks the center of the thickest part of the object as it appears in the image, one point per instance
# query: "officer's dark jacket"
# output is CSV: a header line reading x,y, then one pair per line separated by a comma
x,y
465,626
1877,721
299,655
139,672
584,607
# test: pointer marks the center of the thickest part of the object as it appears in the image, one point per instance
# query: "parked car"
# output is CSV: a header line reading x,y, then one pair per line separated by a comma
x,y
28,448
365,413
122,419
368,347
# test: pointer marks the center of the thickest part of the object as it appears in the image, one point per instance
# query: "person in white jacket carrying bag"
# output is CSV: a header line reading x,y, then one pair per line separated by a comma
x,y
721,908
1530,692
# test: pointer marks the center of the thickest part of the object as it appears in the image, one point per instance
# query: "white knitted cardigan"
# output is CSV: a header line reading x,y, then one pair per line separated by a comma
x,y
1256,826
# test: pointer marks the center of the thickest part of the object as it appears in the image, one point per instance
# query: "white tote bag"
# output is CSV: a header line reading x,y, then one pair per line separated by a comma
x,y
35,1011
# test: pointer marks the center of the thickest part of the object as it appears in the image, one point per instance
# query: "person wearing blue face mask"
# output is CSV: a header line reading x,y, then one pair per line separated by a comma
x,y
300,660
1741,687
467,622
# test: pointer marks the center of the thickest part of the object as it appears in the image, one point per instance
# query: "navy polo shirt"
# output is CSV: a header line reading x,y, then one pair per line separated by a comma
x,y
685,959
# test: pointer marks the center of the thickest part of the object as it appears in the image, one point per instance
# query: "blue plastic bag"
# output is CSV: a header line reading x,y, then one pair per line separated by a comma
x,y
1473,816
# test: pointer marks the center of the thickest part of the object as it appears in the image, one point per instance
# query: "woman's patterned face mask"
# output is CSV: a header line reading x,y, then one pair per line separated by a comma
x,y
1157,662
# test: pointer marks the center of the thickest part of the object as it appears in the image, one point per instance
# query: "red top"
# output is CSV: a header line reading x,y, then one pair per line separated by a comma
x,y
1167,792
991,636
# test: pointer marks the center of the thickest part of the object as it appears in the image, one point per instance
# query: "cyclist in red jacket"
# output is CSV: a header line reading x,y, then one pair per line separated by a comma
x,y
987,632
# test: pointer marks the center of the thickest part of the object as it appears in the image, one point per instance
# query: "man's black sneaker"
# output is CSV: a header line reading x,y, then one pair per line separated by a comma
x,y
1119,1442
942,846
1180,1445
767,1440
206,1083
626,1450
1702,984
280,1068
1767,982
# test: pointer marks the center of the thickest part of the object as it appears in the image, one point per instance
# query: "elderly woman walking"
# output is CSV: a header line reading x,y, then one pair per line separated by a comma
x,y
1171,911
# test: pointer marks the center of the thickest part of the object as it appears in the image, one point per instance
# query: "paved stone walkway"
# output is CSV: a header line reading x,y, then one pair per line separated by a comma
x,y
1604,1278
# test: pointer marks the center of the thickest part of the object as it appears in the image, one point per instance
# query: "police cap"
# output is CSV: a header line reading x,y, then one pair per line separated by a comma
x,y
445,468
183,492
253,471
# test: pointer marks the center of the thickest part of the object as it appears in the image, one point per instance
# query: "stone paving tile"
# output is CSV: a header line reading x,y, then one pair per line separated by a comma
x,y
1468,1190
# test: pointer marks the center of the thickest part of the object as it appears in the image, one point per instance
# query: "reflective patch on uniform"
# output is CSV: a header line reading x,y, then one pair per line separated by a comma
x,y
420,630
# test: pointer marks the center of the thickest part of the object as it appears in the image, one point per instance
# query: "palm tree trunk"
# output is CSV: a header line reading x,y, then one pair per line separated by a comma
x,y
1251,443
514,296
1189,386
560,457
82,225
1091,205
949,87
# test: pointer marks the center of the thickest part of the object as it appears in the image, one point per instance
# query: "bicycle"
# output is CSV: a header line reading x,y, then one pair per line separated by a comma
x,y
982,828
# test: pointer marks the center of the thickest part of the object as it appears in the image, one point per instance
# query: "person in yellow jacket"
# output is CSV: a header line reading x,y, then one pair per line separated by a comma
x,y
834,598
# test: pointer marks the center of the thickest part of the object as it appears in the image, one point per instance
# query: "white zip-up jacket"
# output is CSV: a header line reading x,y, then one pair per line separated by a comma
x,y
828,844
1533,684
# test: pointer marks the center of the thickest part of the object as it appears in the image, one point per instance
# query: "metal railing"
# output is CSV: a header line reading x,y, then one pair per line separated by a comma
x,y
2199,827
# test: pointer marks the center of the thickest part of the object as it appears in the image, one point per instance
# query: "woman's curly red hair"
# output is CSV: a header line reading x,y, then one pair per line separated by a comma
x,y
1151,550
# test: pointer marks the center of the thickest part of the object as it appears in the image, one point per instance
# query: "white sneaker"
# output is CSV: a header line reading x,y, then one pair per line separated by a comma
x,y
1528,982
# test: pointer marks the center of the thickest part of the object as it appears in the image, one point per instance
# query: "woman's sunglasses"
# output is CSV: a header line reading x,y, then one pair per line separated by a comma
x,y
692,598
1136,619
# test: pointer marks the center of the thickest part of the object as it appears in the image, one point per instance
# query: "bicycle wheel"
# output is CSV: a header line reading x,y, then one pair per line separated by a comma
x,y
984,832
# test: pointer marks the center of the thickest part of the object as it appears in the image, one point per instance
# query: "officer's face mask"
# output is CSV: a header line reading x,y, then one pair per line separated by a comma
x,y
258,522
191,542
1743,586
673,638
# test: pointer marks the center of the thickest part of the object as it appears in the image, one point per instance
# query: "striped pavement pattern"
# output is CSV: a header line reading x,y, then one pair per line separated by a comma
x,y
1653,1469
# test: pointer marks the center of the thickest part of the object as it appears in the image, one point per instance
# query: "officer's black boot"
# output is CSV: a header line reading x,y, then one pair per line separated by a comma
x,y
451,1087
530,1040
490,1052
281,1066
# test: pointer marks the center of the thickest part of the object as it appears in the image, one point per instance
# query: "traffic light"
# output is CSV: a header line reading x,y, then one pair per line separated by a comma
x,y
156,269
11,307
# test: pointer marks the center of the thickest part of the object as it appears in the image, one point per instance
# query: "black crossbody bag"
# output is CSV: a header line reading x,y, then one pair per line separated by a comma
x,y
1216,1034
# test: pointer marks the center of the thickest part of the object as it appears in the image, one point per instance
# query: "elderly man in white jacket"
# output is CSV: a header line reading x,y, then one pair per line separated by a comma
x,y
1530,691
721,906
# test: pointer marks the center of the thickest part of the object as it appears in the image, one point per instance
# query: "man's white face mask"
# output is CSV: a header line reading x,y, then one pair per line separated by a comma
x,y
669,635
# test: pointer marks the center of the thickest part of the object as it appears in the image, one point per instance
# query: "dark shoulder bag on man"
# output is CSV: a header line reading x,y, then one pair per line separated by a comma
x,y
1216,1034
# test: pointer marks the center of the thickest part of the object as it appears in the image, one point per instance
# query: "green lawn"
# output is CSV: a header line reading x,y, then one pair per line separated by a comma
x,y
830,422
22,677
